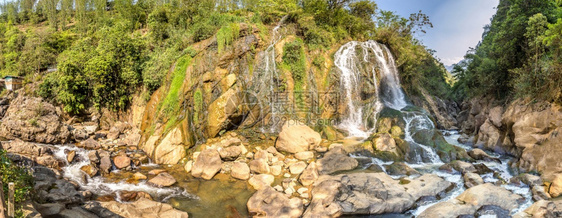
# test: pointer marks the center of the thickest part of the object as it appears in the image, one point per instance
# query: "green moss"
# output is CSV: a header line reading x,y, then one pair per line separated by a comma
x,y
197,105
294,58
227,34
171,102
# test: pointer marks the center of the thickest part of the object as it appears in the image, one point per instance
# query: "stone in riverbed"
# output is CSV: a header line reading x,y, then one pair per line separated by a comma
x,y
304,155
230,153
89,170
143,208
259,166
94,157
162,180
270,203
297,168
105,161
139,176
297,137
122,161
90,144
70,156
489,194
240,170
400,168
555,189
336,160
156,172
479,154
309,175
207,164
188,166
261,181
472,179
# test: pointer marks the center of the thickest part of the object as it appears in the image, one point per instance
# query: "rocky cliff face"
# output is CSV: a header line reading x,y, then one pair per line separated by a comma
x,y
528,131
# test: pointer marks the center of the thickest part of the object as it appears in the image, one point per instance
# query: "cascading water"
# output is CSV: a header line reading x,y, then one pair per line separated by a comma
x,y
392,94
266,81
98,185
416,121
350,65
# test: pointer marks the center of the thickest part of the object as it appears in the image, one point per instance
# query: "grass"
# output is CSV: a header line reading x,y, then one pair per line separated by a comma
x,y
170,105
294,58
226,35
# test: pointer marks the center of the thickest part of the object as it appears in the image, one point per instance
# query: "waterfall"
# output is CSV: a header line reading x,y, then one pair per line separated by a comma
x,y
355,70
351,68
392,93
267,80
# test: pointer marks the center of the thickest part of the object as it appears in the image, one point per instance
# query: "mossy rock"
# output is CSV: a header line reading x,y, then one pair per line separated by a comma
x,y
396,132
446,151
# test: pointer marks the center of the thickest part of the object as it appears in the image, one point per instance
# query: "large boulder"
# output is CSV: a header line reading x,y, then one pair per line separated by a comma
x,y
162,180
269,203
369,193
171,149
336,160
31,119
223,112
555,189
297,137
207,164
143,208
472,200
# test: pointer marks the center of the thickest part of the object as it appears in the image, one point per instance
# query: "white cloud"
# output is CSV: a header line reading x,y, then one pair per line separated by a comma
x,y
451,61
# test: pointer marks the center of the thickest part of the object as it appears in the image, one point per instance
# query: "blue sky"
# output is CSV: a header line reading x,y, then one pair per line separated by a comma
x,y
457,24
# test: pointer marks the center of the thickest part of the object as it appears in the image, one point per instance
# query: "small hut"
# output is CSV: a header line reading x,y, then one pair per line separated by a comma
x,y
12,82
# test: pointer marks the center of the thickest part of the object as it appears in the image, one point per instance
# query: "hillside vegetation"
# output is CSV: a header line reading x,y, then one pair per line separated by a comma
x,y
104,51
520,54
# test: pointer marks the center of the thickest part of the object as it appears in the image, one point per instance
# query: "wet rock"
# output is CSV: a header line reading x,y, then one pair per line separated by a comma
x,y
297,137
530,179
539,193
479,154
230,153
70,156
270,203
448,209
297,168
261,181
49,209
555,189
33,120
171,149
240,170
48,161
489,194
276,169
133,195
139,176
90,170
94,157
362,193
207,164
461,166
428,185
472,179
143,208
90,144
385,143
188,166
336,160
482,169
132,139
541,208
162,180
259,166
400,168
122,161
156,172
304,155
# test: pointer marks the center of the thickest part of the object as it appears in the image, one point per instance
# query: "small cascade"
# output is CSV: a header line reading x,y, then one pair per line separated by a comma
x,y
351,67
98,185
392,93
416,121
267,80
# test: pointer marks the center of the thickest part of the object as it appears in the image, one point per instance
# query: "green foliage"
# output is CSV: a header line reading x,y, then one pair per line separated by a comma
x,y
19,175
514,58
197,105
226,35
170,104
294,57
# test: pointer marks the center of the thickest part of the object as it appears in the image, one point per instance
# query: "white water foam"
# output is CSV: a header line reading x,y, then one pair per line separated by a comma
x,y
98,185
